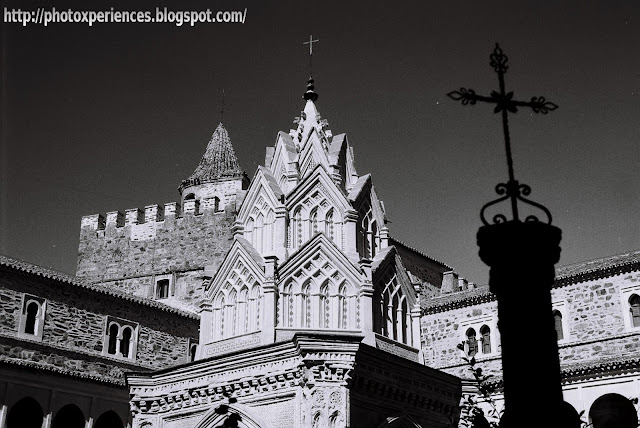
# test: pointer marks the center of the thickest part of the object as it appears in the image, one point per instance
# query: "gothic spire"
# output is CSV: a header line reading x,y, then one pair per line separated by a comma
x,y
218,162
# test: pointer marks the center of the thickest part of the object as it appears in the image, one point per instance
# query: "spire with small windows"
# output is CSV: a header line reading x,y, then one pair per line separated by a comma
x,y
218,162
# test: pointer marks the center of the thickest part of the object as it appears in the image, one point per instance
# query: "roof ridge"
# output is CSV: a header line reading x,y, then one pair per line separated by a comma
x,y
49,273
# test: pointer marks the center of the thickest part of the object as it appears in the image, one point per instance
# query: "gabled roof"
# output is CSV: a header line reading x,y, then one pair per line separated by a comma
x,y
31,269
218,162
359,187
598,268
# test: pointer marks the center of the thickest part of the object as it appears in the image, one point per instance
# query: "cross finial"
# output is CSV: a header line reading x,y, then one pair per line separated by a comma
x,y
310,43
222,106
506,104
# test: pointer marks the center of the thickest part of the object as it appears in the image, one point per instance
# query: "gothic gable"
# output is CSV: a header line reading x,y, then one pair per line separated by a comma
x,y
235,293
371,217
316,205
319,288
393,298
257,214
283,164
315,152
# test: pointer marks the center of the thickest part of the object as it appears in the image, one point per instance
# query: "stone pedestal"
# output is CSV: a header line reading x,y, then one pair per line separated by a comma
x,y
522,258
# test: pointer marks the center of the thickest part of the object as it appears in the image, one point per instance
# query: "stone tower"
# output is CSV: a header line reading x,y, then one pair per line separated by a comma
x,y
165,252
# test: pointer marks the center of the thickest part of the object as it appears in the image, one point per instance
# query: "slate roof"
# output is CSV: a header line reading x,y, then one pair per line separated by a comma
x,y
219,161
29,268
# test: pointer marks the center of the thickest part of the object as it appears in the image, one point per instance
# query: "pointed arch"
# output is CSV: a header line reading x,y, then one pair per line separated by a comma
x,y
304,311
313,222
324,309
328,225
249,230
269,225
342,306
242,313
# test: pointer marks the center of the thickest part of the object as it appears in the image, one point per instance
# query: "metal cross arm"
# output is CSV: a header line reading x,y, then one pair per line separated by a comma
x,y
505,104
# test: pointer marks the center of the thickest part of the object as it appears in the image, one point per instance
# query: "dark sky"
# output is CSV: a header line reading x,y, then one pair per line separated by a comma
x,y
115,116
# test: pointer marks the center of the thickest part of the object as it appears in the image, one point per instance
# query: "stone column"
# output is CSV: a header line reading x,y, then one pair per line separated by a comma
x,y
270,300
522,258
366,303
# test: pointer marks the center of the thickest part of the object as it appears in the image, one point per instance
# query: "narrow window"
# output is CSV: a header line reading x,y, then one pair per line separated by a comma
x,y
125,342
313,223
634,303
216,203
192,352
32,315
472,342
328,225
113,339
162,289
485,333
557,320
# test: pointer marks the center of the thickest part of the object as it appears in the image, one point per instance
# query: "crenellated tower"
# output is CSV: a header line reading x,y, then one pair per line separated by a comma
x,y
165,252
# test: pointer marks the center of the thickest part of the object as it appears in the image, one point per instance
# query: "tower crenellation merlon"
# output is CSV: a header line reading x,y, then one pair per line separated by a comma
x,y
155,213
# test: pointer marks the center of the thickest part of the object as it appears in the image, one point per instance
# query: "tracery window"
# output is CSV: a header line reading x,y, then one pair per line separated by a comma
x,y
120,338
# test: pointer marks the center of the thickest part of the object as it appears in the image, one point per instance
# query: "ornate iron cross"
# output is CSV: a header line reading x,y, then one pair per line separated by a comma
x,y
506,104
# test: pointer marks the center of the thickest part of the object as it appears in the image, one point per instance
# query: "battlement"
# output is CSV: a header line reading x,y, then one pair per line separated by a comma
x,y
152,214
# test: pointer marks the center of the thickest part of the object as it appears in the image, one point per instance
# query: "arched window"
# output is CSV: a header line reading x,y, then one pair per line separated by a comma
x,y
162,289
268,230
113,338
32,315
328,225
342,307
248,231
242,313
286,305
125,342
324,310
26,413
216,203
472,342
485,337
405,322
305,306
297,232
313,222
634,306
557,320
120,339
70,416
192,351
189,196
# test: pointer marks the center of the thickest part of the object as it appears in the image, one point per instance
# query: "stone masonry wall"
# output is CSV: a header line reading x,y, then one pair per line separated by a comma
x,y
75,320
594,312
126,252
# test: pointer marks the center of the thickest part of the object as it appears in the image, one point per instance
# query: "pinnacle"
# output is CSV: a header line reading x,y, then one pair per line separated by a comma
x,y
218,162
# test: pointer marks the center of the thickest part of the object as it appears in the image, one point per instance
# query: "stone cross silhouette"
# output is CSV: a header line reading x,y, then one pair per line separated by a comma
x,y
310,43
506,104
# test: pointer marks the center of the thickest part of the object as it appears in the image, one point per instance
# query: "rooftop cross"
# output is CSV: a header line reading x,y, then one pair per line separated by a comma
x,y
506,104
222,106
310,43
